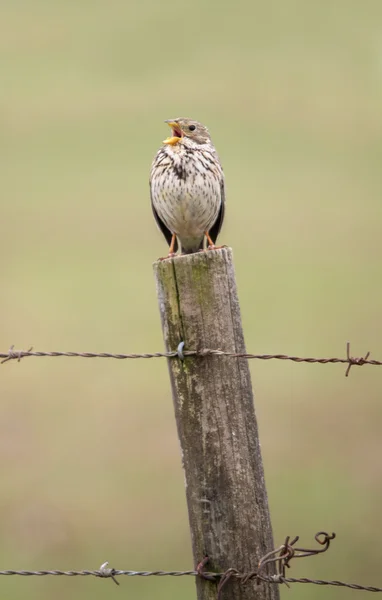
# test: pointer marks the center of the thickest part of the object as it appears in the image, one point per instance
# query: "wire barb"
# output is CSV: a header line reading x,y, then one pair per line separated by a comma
x,y
104,571
15,355
355,361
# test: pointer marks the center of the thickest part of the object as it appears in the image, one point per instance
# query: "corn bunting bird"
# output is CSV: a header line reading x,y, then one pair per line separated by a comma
x,y
187,187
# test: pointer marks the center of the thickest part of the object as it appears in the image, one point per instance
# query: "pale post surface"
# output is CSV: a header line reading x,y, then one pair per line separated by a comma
x,y
217,428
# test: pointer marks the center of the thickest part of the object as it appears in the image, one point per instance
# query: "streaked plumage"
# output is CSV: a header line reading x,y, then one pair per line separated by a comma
x,y
187,187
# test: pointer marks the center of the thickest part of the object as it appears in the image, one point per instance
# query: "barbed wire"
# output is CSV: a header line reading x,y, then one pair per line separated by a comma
x,y
180,353
281,557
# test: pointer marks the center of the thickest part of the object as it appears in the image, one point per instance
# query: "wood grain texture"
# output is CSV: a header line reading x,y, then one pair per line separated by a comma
x,y
217,428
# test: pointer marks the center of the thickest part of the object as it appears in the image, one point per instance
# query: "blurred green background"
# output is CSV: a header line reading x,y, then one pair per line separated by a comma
x,y
292,93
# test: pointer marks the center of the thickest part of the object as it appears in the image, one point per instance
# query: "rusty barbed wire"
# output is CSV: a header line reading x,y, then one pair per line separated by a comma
x,y
281,557
180,353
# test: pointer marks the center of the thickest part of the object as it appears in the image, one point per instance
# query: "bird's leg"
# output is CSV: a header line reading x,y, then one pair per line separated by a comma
x,y
211,245
172,246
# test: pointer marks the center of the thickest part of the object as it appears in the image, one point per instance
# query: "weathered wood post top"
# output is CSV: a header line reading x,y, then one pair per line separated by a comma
x,y
217,428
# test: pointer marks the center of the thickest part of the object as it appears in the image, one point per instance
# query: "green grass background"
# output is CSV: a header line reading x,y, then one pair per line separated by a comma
x,y
292,93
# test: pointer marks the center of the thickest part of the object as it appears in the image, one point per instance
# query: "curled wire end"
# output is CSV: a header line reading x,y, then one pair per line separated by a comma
x,y
354,360
200,570
179,350
252,575
104,571
282,556
324,538
224,579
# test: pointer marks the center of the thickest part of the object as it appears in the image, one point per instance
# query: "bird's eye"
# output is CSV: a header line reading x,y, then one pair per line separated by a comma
x,y
192,128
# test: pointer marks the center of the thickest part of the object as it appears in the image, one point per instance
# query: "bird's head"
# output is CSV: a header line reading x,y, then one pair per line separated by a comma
x,y
187,128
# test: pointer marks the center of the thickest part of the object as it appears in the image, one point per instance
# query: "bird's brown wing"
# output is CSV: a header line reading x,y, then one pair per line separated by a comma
x,y
216,227
166,232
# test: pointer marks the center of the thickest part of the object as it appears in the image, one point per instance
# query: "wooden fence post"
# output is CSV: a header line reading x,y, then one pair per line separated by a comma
x,y
226,494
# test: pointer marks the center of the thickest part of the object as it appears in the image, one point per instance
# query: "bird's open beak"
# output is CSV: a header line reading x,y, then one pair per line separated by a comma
x,y
176,133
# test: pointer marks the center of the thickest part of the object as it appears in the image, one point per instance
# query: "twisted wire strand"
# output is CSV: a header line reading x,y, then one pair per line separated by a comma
x,y
180,353
111,573
281,557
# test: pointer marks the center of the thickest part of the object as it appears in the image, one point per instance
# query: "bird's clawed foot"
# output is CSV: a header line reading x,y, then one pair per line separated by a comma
x,y
213,247
171,250
169,255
